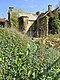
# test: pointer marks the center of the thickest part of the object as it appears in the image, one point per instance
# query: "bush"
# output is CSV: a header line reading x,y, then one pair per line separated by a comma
x,y
24,59
16,56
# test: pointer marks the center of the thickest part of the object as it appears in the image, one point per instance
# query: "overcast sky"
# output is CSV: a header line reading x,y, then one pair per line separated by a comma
x,y
26,5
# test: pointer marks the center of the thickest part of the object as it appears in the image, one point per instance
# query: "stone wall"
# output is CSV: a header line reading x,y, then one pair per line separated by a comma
x,y
43,27
34,27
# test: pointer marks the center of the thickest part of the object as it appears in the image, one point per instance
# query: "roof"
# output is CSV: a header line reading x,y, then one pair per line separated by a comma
x,y
43,14
2,20
46,13
24,16
31,16
55,9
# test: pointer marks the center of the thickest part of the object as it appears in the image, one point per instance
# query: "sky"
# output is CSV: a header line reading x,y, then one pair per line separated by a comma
x,y
26,5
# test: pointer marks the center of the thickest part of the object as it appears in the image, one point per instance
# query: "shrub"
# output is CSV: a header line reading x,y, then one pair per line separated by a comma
x,y
24,59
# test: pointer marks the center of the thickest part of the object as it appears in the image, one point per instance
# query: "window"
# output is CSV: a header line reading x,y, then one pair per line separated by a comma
x,y
20,19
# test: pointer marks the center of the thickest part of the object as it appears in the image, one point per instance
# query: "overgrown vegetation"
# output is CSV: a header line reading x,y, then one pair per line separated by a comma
x,y
25,59
54,22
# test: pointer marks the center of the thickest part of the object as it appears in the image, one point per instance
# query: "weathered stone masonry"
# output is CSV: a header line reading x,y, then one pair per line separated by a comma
x,y
34,25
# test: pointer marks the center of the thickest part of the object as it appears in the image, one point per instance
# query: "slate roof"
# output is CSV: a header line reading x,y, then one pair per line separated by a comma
x,y
46,13
43,15
31,16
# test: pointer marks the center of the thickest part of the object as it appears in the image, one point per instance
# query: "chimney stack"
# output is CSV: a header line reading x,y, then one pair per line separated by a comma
x,y
49,7
38,13
11,8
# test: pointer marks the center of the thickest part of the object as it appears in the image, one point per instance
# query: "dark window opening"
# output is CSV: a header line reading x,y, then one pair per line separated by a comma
x,y
52,27
9,16
2,24
20,19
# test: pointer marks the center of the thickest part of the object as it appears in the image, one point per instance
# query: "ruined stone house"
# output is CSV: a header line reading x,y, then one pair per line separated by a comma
x,y
22,20
42,26
34,25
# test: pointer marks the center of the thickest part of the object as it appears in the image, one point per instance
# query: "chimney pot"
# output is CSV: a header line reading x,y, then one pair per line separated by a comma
x,y
37,13
11,8
49,7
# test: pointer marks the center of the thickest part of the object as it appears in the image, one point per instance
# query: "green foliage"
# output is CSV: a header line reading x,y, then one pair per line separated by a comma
x,y
25,59
57,24
15,23
14,20
54,22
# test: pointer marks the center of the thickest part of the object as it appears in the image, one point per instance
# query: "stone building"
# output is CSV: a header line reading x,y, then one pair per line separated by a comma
x,y
22,20
4,23
43,25
34,25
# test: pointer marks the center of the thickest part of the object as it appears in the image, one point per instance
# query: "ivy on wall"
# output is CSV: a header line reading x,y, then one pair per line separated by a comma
x,y
55,21
14,20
